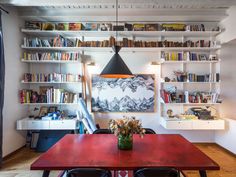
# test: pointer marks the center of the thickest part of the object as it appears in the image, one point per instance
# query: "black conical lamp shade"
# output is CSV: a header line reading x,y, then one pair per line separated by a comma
x,y
116,68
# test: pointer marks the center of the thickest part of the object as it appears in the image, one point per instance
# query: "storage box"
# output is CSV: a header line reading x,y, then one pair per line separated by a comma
x,y
173,27
139,27
152,27
48,26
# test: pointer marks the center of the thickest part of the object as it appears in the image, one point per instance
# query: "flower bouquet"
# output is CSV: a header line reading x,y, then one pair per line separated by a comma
x,y
124,129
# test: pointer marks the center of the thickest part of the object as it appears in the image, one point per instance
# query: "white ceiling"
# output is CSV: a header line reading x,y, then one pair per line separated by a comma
x,y
129,10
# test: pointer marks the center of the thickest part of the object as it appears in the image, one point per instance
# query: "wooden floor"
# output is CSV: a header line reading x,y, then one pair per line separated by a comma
x,y
18,164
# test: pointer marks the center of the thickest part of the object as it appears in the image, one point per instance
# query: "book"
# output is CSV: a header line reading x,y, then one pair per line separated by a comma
x,y
76,26
91,26
152,27
62,26
33,25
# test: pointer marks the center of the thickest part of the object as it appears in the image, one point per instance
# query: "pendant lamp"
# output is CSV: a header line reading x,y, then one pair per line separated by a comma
x,y
116,67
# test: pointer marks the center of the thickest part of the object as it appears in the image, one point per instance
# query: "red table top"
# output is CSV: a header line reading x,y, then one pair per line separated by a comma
x,y
100,151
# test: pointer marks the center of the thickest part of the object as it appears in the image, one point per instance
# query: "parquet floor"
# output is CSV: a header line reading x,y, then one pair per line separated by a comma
x,y
18,164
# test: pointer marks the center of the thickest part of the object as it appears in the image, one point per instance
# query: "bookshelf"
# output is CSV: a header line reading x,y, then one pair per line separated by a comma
x,y
44,33
181,36
66,64
210,85
123,49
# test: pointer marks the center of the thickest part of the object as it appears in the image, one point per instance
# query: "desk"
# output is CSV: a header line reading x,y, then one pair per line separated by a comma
x,y
100,151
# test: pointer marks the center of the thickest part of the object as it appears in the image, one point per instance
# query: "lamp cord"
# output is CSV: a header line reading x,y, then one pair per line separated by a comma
x,y
116,20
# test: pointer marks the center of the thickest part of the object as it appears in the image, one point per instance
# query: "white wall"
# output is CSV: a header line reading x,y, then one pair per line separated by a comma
x,y
229,25
12,111
139,62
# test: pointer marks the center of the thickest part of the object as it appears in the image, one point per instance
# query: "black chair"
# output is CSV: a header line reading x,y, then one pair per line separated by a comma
x,y
157,172
102,131
149,131
83,172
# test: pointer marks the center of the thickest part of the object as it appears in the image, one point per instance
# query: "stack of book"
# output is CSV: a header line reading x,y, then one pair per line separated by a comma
x,y
52,77
59,56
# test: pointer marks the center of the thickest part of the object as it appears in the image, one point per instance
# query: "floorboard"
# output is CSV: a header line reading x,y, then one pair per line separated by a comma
x,y
18,164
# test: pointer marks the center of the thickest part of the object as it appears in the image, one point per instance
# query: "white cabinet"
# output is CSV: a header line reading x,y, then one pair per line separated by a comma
x,y
193,124
209,124
29,124
62,124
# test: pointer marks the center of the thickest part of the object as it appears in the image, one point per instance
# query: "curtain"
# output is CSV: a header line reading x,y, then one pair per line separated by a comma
x,y
2,83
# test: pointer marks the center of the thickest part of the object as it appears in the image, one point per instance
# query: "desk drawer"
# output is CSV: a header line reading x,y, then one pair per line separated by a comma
x,y
179,125
37,125
63,124
208,125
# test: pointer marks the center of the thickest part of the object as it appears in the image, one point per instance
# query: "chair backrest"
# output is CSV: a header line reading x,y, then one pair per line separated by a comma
x,y
102,131
149,131
157,172
82,172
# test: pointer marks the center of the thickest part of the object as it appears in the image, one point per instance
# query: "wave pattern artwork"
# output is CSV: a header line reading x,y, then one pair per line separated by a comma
x,y
136,94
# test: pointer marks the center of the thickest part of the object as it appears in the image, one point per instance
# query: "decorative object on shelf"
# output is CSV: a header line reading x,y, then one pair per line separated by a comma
x,y
136,94
170,113
116,67
124,129
181,76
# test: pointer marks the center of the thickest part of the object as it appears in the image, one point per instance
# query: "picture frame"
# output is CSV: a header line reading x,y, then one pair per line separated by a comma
x,y
52,109
202,57
137,96
43,111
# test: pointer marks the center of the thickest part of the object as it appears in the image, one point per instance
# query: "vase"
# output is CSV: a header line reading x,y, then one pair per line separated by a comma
x,y
125,142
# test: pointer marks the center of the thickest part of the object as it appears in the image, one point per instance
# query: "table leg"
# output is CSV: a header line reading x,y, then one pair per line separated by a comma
x,y
203,173
46,173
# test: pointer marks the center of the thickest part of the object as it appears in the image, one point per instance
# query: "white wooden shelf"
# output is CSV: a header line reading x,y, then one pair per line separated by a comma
x,y
123,49
33,124
194,62
51,82
190,82
51,61
191,104
42,104
43,33
217,124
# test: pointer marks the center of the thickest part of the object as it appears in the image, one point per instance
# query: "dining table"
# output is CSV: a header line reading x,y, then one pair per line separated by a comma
x,y
101,151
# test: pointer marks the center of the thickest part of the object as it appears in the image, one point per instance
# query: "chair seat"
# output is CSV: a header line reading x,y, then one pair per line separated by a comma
x,y
156,172
82,172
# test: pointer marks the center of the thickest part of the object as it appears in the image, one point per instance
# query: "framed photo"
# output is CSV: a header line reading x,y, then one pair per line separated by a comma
x,y
43,111
202,57
52,109
136,94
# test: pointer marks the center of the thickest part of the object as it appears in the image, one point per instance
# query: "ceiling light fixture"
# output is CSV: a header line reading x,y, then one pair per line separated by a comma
x,y
116,67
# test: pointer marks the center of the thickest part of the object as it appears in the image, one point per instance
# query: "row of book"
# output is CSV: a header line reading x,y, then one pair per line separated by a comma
x,y
188,97
214,77
60,41
59,56
78,26
51,77
52,95
186,56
